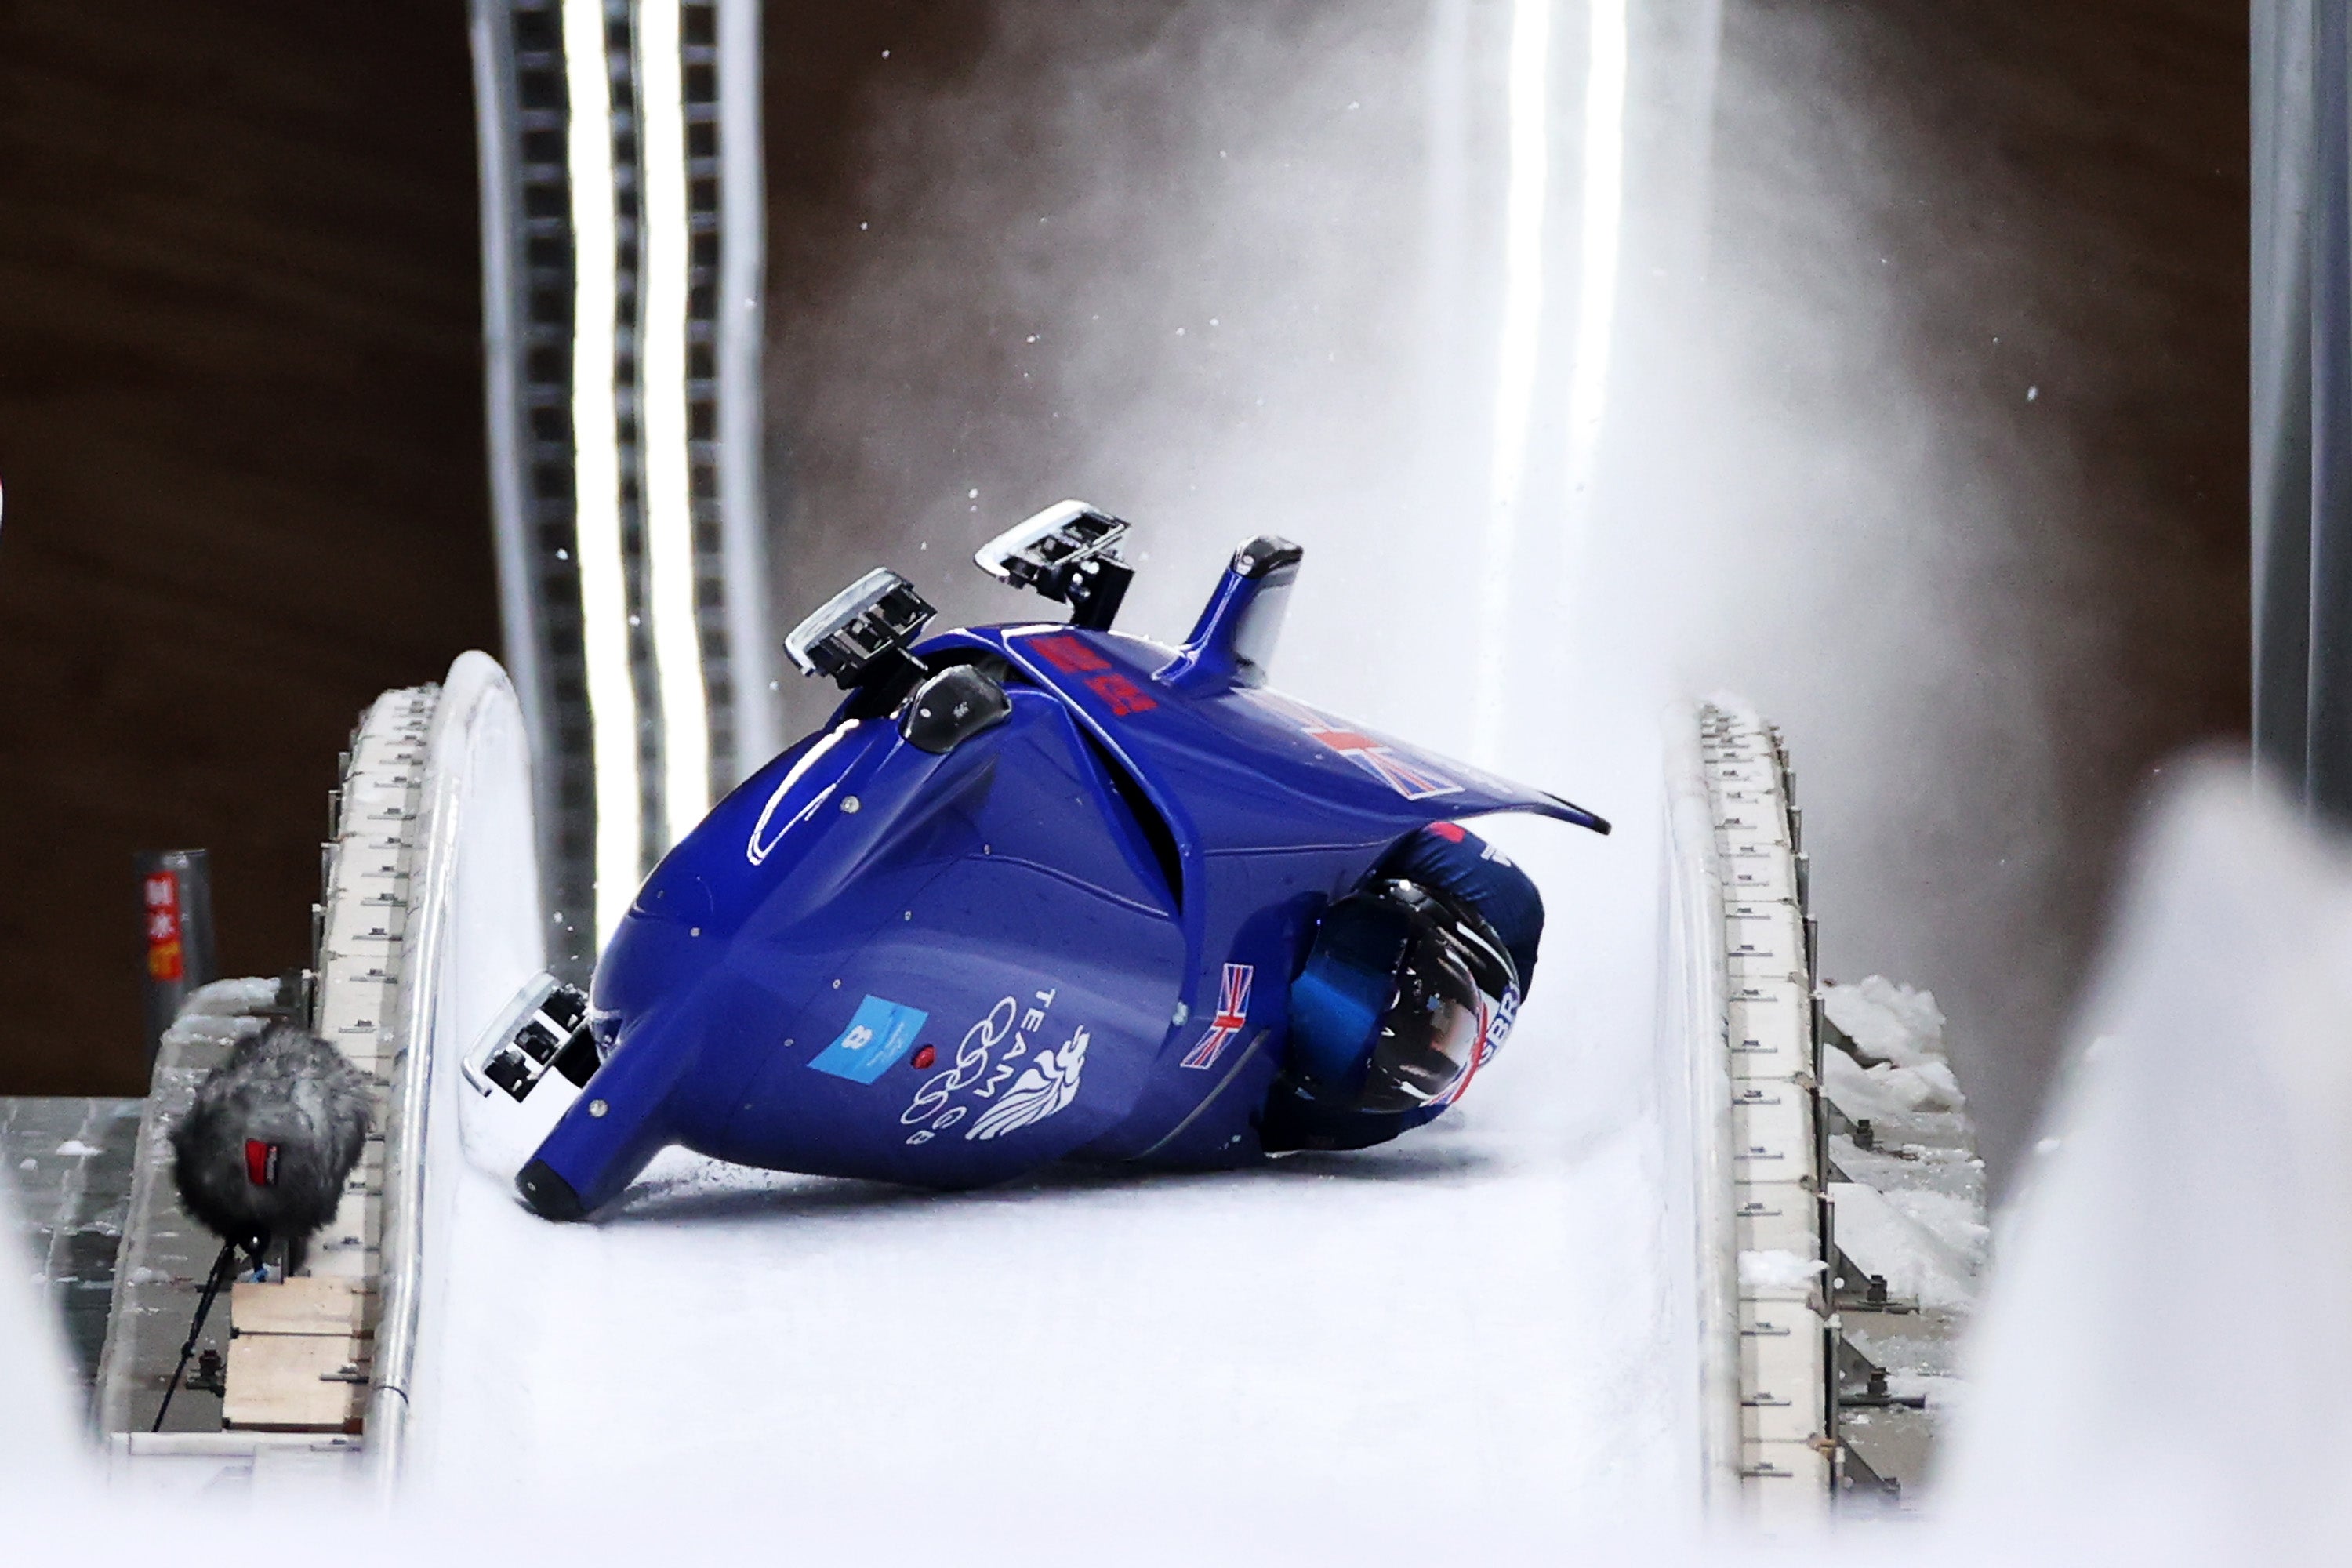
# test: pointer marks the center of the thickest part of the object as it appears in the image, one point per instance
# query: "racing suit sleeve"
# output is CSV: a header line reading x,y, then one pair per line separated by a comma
x,y
1457,862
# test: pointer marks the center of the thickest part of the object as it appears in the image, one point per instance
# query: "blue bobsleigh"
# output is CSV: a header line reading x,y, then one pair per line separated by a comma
x,y
1033,892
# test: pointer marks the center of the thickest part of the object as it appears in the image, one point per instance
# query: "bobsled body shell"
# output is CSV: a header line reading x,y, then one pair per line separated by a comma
x,y
1072,934
1274,808
860,906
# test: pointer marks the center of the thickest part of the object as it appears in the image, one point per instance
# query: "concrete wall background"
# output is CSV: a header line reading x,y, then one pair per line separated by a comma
x,y
240,432
1994,616
2003,613
241,442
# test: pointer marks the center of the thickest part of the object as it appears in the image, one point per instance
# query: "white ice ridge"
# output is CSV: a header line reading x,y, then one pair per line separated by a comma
x,y
1773,1269
1918,1261
230,998
1915,1211
2160,1360
223,1012
1484,1311
204,1028
1888,1022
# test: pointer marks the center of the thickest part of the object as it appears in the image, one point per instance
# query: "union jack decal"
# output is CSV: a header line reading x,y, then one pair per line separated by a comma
x,y
1233,1014
1405,775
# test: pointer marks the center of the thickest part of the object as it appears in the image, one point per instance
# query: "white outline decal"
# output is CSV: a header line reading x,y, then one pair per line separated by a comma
x,y
1048,1085
755,849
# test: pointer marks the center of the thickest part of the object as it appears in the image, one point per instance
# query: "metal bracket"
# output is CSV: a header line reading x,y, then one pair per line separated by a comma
x,y
1069,553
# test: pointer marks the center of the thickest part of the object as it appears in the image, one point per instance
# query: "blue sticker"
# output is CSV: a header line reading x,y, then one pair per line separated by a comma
x,y
879,1035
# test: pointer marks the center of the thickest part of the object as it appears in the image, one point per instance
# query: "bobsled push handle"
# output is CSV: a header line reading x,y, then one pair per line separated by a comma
x,y
1069,553
862,631
1233,643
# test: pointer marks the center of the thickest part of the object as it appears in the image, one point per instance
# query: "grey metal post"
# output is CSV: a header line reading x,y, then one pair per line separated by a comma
x,y
175,923
2280,366
2301,397
2328,739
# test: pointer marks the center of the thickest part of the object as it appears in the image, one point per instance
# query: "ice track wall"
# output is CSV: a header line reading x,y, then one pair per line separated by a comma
x,y
1739,1013
1696,1073
476,931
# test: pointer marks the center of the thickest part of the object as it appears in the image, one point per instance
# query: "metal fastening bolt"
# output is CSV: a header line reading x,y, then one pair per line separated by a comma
x,y
597,1108
694,931
850,804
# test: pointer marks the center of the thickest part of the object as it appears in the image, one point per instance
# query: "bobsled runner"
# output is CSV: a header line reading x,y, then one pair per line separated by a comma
x,y
1037,893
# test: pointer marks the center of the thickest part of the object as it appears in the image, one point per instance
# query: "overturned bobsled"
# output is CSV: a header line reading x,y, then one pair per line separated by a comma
x,y
1033,892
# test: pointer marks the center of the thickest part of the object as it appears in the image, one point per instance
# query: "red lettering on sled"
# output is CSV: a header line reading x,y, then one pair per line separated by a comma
x,y
1067,654
1123,694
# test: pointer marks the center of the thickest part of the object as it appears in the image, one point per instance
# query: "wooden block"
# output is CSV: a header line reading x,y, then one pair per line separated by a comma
x,y
307,1305
296,1382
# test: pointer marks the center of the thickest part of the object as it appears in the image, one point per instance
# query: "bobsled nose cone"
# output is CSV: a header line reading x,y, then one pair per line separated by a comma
x,y
549,1195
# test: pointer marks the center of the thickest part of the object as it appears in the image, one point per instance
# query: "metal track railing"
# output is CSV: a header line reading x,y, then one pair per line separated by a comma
x,y
1741,956
476,727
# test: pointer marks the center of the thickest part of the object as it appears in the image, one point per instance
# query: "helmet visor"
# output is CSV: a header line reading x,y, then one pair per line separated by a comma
x,y
1428,1039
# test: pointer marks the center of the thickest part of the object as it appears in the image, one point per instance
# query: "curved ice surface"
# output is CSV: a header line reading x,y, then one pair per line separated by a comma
x,y
1491,1314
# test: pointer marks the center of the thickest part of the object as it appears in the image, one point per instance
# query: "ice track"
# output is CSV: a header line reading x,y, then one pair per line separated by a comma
x,y
1490,1316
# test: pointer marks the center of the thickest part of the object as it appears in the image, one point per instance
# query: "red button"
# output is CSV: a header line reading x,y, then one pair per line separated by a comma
x,y
924,1056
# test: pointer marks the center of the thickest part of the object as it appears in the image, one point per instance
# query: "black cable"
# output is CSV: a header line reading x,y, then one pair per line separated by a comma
x,y
223,1266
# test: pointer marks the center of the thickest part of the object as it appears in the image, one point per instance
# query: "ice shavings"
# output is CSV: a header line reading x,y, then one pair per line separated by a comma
x,y
1887,1022
1907,1192
229,998
1904,1344
1956,1222
1919,1264
1948,1165
1888,1090
203,1029
1777,1270
74,1148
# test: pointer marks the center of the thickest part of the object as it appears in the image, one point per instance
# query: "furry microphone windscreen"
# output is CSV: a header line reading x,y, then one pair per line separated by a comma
x,y
275,1130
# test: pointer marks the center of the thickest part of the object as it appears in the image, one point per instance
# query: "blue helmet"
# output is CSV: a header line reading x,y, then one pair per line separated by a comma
x,y
1393,1010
